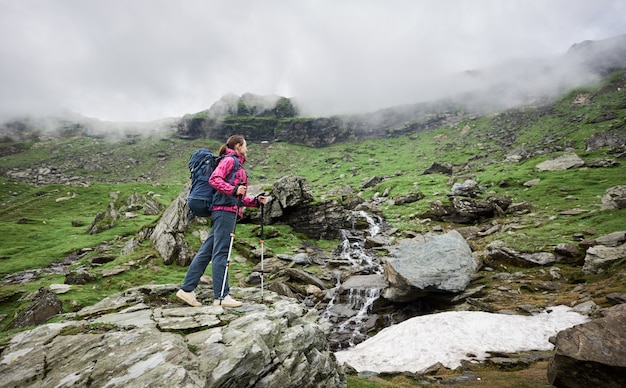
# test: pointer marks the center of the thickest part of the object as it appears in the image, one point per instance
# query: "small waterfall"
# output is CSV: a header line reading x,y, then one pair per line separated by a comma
x,y
353,245
351,305
354,325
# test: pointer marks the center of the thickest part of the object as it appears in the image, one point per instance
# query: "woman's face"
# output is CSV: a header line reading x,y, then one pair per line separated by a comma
x,y
241,148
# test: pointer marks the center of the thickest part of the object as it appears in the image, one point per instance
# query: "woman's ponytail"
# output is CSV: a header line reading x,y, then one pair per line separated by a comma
x,y
231,143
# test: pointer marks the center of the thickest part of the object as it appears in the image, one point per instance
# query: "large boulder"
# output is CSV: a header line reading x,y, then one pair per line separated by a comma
x,y
498,252
614,198
467,188
168,235
592,354
45,305
612,239
290,203
609,138
141,338
292,191
427,264
599,257
463,210
561,163
324,220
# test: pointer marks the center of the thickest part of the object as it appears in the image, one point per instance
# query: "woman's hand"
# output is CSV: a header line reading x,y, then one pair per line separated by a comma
x,y
241,191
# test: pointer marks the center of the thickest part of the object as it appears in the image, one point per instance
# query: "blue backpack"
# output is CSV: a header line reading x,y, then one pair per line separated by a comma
x,y
202,163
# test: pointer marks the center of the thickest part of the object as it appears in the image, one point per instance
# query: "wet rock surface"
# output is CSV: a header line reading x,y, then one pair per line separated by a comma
x,y
143,335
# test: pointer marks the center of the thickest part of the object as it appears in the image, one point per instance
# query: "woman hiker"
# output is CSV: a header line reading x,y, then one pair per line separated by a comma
x,y
227,207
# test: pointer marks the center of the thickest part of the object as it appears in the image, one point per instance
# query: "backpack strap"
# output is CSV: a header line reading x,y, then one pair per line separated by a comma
x,y
209,166
222,199
232,173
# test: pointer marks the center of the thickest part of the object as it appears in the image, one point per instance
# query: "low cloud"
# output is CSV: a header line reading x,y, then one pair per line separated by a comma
x,y
142,60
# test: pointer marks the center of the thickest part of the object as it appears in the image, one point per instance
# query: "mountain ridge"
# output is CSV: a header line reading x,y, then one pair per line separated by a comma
x,y
268,118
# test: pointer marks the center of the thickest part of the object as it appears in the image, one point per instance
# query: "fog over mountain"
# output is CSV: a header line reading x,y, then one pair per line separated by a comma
x,y
144,60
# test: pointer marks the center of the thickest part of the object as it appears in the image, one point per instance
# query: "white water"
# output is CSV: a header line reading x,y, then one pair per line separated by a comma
x,y
360,300
355,252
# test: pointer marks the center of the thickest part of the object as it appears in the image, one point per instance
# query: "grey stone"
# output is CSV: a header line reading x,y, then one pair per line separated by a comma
x,y
599,257
561,163
591,354
364,282
437,168
426,264
612,239
168,234
292,191
45,306
277,343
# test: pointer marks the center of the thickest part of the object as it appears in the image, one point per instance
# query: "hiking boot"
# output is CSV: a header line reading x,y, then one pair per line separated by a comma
x,y
227,302
188,297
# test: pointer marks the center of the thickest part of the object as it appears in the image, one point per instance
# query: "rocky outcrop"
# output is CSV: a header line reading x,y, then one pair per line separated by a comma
x,y
44,306
428,264
561,163
498,252
319,221
270,118
438,168
168,235
610,138
600,257
290,203
614,198
253,116
128,209
142,337
592,354
463,210
289,192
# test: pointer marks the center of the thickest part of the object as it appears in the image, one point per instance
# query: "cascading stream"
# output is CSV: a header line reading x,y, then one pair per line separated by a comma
x,y
351,305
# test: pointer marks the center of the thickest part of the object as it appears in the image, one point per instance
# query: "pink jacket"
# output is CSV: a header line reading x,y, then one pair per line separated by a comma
x,y
221,182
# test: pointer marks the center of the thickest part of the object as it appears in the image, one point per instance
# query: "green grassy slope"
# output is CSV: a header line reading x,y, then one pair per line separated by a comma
x,y
36,227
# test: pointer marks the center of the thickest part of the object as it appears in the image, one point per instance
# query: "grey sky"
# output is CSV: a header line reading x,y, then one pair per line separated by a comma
x,y
140,60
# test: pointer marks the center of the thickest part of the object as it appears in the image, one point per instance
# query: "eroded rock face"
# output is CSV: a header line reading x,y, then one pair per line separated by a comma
x,y
127,340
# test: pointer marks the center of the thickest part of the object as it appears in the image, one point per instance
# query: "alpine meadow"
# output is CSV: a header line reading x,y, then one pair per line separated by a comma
x,y
69,205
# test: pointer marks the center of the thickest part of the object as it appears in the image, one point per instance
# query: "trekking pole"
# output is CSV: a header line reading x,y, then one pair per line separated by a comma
x,y
262,248
230,249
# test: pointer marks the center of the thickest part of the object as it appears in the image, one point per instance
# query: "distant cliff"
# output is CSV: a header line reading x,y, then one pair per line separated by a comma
x,y
479,92
524,83
271,118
